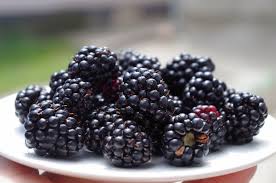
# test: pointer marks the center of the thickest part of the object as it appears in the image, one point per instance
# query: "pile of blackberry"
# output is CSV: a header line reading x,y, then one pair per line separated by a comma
x,y
128,108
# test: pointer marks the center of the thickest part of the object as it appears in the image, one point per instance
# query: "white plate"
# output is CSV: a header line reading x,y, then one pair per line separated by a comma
x,y
231,159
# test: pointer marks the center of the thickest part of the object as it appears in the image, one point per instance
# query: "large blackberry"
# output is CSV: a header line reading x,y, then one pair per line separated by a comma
x,y
203,89
182,68
129,59
216,120
52,130
93,63
25,98
98,124
186,139
78,96
58,79
245,115
143,93
127,145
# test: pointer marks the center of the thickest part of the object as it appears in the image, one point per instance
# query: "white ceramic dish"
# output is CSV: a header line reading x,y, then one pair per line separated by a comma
x,y
88,165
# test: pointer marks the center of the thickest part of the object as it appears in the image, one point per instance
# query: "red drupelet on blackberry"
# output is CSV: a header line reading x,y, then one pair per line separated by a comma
x,y
203,89
245,115
93,63
186,139
182,68
53,130
216,119
25,98
58,79
129,59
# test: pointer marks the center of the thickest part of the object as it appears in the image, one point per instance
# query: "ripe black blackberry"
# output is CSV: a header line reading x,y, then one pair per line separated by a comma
x,y
186,139
25,98
98,124
203,89
129,59
245,115
93,63
53,130
143,93
216,119
78,96
58,79
182,68
127,145
155,129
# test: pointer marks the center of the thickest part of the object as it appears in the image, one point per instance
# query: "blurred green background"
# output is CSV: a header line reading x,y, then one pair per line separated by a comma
x,y
26,60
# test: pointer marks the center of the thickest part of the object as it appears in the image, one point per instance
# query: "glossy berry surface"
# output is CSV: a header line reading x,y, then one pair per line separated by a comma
x,y
25,98
245,115
52,130
93,63
178,73
186,139
204,89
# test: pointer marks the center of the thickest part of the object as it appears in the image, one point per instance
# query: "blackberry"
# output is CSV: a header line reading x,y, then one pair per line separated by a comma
x,y
127,145
25,98
52,130
129,59
186,139
143,93
93,63
58,79
216,120
98,124
182,68
203,89
78,96
245,115
155,129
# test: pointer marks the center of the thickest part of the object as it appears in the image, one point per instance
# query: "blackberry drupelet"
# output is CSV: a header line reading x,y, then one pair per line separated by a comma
x,y
129,59
175,104
93,63
98,124
186,139
182,68
245,115
58,79
25,98
143,93
78,96
216,119
53,130
127,145
203,89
